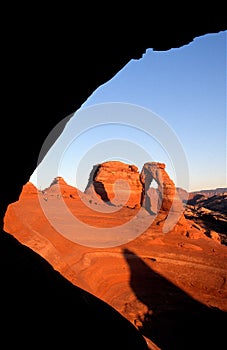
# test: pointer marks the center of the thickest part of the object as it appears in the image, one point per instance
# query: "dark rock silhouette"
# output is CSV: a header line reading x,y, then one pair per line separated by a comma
x,y
61,66
42,308
48,70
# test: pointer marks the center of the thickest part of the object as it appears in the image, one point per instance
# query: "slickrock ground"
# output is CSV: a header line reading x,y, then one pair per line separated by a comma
x,y
171,286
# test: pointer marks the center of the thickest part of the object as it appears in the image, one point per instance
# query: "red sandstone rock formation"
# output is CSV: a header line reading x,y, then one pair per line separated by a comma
x,y
28,190
121,184
60,188
116,183
169,206
164,284
166,187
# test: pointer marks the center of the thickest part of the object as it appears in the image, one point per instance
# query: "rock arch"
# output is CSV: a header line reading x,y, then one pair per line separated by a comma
x,y
166,187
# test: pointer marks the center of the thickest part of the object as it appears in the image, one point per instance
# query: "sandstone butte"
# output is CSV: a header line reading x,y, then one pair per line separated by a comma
x,y
161,272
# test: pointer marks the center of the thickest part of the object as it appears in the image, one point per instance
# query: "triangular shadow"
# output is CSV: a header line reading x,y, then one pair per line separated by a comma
x,y
174,320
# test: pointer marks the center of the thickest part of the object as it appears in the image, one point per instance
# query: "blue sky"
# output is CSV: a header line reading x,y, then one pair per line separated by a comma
x,y
175,103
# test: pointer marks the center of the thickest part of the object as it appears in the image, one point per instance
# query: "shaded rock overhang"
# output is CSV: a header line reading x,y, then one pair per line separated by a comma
x,y
49,69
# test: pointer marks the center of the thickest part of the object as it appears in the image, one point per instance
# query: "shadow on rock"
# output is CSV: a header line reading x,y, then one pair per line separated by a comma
x,y
174,320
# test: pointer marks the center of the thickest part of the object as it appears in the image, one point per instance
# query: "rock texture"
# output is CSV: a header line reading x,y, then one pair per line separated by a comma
x,y
171,287
166,188
92,61
49,93
209,210
116,183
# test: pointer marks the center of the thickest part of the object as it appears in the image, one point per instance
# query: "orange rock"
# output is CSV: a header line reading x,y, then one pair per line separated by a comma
x,y
116,183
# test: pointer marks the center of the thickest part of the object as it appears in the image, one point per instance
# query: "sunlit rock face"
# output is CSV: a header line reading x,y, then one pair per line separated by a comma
x,y
120,184
116,183
167,195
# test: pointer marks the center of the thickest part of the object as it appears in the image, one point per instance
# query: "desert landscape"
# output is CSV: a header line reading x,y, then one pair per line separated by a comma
x,y
156,255
170,287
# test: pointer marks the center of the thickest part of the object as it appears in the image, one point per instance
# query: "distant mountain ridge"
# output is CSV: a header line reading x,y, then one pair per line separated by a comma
x,y
209,192
208,208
